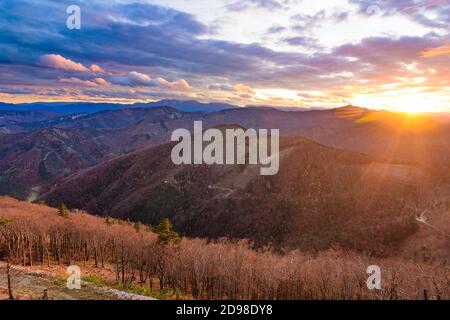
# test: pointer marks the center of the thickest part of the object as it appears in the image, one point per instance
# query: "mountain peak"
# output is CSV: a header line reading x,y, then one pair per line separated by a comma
x,y
350,107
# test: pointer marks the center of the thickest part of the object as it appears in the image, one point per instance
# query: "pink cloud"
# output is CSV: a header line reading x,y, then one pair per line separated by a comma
x,y
85,83
57,61
180,85
177,85
100,81
135,78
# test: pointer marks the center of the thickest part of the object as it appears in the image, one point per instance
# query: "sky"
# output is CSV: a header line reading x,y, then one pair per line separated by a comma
x,y
316,54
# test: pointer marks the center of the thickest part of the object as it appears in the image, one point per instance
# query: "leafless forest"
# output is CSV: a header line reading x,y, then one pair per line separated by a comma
x,y
38,235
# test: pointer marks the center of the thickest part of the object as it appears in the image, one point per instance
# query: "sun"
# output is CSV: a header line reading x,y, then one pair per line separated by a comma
x,y
412,109
412,103
408,100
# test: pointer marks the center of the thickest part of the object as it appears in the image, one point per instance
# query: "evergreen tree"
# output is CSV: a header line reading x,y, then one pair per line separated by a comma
x,y
63,211
165,233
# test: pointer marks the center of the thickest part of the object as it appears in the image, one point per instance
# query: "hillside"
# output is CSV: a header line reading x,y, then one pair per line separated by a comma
x,y
33,155
37,158
117,254
320,197
10,117
33,159
388,135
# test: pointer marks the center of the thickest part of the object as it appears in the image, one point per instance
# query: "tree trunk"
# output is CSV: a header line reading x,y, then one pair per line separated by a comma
x,y
8,275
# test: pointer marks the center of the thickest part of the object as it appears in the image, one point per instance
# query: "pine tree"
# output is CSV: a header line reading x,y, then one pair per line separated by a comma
x,y
63,211
165,233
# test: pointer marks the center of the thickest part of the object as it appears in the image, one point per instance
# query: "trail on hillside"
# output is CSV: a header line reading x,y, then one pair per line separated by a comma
x,y
30,285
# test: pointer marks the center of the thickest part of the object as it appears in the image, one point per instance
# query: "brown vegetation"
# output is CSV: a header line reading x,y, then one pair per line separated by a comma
x,y
35,234
321,197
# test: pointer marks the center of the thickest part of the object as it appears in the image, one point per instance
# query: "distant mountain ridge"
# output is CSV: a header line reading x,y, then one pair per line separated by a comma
x,y
65,108
40,152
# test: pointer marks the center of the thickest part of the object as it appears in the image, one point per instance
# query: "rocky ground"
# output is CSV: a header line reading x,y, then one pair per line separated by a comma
x,y
30,284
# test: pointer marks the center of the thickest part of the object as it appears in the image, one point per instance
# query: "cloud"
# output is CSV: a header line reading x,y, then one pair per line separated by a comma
x,y
168,39
135,78
307,42
241,88
386,51
220,87
15,90
57,61
96,69
136,40
242,5
85,83
303,22
275,29
429,13
181,84
238,89
144,14
439,51
5,95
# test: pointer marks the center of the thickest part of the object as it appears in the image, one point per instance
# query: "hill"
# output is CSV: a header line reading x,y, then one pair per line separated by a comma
x,y
320,197
10,117
386,135
25,147
37,158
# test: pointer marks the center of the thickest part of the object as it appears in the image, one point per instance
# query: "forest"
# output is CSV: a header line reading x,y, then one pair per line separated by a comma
x,y
159,259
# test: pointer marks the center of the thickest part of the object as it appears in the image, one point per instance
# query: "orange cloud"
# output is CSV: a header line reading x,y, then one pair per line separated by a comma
x,y
96,69
5,95
241,88
439,51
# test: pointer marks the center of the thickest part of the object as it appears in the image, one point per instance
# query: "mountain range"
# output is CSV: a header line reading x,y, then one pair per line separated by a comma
x,y
349,176
65,108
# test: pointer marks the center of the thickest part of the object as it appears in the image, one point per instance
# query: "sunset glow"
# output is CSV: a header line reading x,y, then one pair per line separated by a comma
x,y
379,55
